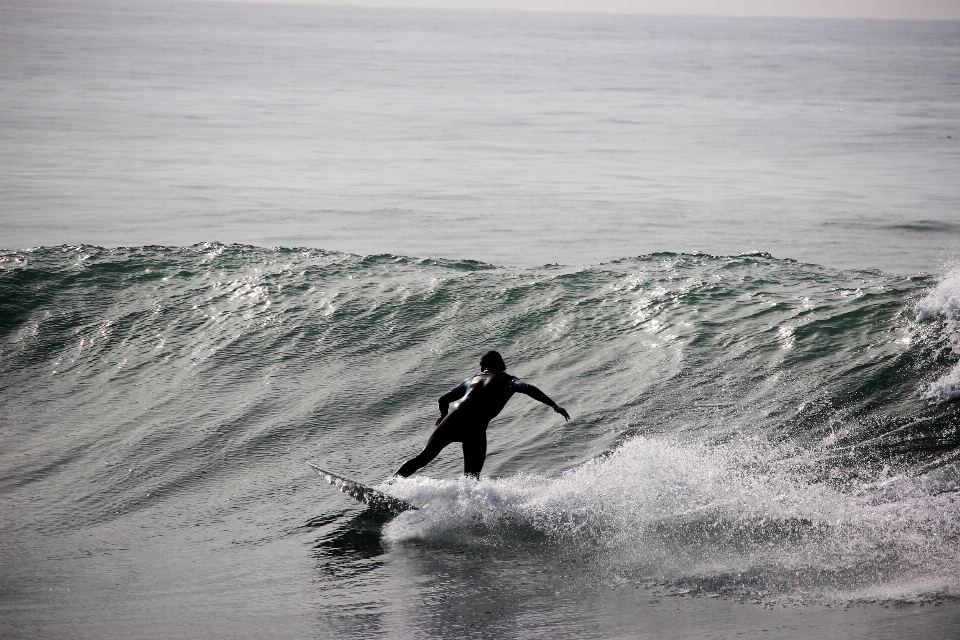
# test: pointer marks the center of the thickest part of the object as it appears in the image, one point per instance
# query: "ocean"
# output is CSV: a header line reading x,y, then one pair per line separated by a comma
x,y
238,238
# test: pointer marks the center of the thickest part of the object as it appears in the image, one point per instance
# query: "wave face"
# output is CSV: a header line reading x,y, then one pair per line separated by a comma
x,y
743,425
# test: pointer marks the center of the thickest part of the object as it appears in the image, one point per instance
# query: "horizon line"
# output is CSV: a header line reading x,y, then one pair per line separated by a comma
x,y
916,10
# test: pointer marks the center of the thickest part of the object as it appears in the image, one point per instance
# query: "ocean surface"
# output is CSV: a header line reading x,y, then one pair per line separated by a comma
x,y
238,238
517,139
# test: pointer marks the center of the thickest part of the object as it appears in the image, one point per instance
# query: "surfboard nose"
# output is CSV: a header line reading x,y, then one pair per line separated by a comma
x,y
361,492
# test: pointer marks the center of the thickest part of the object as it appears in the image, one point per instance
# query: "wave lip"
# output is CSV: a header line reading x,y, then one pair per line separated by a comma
x,y
943,303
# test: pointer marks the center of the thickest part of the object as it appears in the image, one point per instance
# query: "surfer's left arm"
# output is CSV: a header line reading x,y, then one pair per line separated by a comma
x,y
536,394
454,394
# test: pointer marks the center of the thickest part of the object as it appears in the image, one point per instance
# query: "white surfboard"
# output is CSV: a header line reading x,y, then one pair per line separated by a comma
x,y
363,493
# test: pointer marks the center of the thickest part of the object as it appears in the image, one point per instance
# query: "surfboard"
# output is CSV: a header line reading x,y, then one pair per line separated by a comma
x,y
363,493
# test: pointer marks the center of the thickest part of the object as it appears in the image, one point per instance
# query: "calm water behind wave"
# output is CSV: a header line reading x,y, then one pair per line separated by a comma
x,y
511,138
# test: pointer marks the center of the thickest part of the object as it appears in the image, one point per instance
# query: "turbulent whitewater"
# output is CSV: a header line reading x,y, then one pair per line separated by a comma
x,y
743,425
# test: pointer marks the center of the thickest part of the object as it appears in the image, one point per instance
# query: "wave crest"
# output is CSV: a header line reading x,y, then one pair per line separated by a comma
x,y
943,303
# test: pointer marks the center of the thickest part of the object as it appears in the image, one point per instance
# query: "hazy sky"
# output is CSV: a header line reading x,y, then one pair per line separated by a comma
x,y
895,9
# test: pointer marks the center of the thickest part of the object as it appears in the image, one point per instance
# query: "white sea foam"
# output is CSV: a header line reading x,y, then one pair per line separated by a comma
x,y
944,303
728,519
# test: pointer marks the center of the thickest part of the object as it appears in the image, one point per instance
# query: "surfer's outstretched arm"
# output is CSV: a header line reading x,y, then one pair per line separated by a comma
x,y
536,394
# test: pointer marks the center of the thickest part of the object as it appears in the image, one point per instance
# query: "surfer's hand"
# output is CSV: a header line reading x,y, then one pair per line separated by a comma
x,y
561,411
439,420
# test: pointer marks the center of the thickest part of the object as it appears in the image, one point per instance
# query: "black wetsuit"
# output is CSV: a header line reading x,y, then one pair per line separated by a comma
x,y
476,402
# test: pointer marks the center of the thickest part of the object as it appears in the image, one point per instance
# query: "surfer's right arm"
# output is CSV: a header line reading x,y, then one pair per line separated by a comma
x,y
522,387
454,394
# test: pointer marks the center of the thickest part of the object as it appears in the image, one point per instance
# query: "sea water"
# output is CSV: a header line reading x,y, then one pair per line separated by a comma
x,y
288,230
511,138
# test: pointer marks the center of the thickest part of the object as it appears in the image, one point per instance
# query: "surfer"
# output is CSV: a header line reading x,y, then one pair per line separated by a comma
x,y
476,402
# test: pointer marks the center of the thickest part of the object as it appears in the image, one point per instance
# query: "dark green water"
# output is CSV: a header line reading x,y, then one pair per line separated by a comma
x,y
744,427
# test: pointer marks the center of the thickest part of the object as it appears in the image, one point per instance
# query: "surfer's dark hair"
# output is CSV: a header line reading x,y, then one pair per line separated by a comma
x,y
492,361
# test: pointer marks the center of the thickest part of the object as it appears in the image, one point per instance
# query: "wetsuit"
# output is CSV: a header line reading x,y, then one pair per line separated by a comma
x,y
476,402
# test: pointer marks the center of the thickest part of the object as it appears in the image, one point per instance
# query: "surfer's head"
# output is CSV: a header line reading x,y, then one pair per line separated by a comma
x,y
491,361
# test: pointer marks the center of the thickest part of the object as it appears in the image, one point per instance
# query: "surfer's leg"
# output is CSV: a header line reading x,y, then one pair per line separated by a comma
x,y
474,453
442,436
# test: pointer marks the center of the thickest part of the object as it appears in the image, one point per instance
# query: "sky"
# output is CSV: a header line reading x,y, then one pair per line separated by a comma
x,y
883,9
